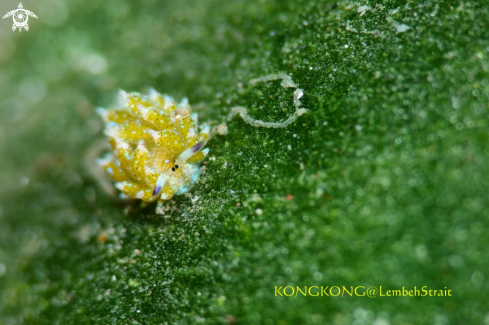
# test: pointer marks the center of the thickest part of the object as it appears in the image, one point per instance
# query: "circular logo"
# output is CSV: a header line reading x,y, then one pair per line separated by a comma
x,y
20,18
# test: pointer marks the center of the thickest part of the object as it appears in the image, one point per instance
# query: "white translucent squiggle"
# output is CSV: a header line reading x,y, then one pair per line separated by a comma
x,y
287,82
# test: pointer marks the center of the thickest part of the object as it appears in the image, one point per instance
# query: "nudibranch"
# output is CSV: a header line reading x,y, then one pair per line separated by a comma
x,y
155,144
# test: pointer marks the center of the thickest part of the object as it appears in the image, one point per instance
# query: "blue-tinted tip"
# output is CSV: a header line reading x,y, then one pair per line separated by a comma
x,y
157,190
159,184
197,147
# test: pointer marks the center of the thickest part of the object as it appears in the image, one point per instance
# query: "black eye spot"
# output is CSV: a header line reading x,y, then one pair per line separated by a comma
x,y
173,168
176,166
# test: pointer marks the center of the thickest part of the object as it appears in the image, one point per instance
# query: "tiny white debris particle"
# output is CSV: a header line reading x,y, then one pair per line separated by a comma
x,y
221,129
349,28
259,212
255,198
433,14
346,46
289,147
402,28
363,9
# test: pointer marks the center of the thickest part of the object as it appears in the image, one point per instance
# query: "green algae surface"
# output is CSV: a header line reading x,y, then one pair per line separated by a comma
x,y
382,183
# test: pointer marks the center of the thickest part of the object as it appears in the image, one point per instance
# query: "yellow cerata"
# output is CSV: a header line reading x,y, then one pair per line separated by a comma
x,y
156,146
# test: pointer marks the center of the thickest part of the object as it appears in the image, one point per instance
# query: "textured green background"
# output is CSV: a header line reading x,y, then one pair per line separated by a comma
x,y
388,170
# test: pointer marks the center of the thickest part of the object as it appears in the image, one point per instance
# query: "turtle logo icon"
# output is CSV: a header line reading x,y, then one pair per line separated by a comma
x,y
20,16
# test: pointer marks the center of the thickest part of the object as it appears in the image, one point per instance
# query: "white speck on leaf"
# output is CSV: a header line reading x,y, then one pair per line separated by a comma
x,y
400,28
363,9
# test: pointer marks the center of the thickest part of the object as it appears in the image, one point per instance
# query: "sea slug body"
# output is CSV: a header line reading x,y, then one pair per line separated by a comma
x,y
155,146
